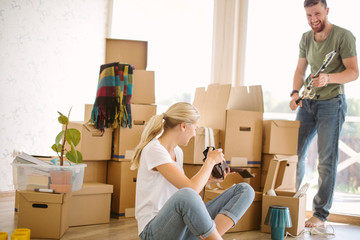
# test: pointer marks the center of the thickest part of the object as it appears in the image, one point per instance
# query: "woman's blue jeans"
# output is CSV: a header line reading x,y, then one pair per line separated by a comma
x,y
185,216
324,118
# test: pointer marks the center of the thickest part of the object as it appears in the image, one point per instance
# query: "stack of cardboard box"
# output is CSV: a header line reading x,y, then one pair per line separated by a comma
x,y
126,139
236,115
278,176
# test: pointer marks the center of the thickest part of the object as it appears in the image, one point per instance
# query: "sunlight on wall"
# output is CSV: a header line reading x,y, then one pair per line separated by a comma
x,y
50,53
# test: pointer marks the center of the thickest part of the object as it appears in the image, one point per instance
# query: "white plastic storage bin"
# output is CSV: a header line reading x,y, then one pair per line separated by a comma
x,y
33,176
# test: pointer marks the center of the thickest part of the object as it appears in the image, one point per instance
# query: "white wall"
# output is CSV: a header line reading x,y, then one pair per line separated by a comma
x,y
50,54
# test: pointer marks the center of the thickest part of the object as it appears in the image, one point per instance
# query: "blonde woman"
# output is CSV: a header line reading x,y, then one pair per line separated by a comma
x,y
168,204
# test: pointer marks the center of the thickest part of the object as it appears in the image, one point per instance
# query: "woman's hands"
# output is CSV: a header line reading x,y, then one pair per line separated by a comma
x,y
215,156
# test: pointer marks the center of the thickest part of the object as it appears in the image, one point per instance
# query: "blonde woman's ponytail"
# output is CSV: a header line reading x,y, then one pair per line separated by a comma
x,y
153,128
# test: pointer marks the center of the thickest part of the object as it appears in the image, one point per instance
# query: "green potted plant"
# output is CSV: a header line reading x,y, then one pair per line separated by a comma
x,y
61,179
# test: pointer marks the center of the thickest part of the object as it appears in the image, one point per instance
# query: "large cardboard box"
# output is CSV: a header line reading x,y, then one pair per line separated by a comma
x,y
280,136
243,133
96,171
127,51
193,151
46,214
124,181
297,206
289,180
126,139
250,220
90,205
94,144
143,87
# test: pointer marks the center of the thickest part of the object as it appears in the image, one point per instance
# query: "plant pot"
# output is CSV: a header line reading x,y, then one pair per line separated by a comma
x,y
61,188
61,180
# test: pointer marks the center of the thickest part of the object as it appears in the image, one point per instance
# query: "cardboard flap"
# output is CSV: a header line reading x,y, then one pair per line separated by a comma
x,y
199,99
93,131
286,123
275,174
94,188
289,158
248,98
36,197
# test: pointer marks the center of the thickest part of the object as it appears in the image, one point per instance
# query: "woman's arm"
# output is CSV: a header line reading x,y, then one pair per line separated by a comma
x,y
176,177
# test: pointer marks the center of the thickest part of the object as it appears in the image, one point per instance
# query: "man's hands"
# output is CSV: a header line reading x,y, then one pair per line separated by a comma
x,y
293,106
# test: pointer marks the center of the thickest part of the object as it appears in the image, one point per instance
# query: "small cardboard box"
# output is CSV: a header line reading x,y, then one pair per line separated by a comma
x,y
243,134
127,51
143,87
126,139
90,205
280,136
94,144
289,181
193,151
46,214
250,220
297,206
96,171
124,181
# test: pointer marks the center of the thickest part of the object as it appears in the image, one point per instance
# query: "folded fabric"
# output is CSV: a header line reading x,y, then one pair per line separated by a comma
x,y
113,97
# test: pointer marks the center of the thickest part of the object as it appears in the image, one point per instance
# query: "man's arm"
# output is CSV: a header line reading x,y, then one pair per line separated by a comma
x,y
298,81
351,73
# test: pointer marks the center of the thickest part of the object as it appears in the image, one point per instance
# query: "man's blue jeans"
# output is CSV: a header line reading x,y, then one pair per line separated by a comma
x,y
185,216
324,118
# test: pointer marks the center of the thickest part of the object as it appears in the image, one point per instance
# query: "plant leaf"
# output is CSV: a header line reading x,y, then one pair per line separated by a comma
x,y
63,119
73,136
59,137
56,147
74,157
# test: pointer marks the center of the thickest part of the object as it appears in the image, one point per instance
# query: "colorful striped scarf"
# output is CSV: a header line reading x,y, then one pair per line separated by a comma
x,y
112,107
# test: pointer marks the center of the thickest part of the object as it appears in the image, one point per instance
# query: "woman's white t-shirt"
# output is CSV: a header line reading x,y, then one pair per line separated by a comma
x,y
152,189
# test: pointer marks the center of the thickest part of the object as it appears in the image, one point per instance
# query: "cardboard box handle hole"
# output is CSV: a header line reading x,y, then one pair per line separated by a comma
x,y
245,129
39,205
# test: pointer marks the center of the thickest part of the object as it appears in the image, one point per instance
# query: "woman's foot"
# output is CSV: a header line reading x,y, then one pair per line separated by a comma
x,y
314,222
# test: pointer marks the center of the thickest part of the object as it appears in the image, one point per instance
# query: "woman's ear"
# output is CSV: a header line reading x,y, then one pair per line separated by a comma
x,y
182,126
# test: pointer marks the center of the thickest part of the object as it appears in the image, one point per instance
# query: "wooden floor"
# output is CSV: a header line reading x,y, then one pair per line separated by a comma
x,y
126,228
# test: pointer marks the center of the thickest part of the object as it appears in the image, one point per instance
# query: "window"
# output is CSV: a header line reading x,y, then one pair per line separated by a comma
x,y
274,32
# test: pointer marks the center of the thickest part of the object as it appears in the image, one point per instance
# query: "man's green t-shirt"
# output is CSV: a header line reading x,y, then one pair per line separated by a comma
x,y
340,40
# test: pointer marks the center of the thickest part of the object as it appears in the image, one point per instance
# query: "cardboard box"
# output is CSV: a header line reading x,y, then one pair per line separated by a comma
x,y
46,214
250,220
94,144
96,171
91,205
238,112
126,139
289,180
193,152
280,136
127,51
124,181
243,134
143,87
297,206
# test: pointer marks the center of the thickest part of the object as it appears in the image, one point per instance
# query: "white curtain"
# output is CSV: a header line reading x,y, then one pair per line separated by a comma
x,y
229,41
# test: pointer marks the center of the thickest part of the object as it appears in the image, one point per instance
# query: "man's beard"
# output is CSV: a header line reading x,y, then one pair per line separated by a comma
x,y
318,29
